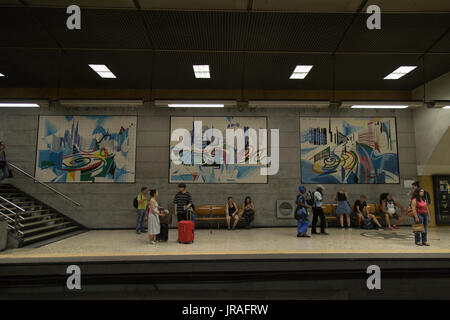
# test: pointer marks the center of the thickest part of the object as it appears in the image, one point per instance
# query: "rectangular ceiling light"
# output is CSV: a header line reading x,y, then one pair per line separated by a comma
x,y
102,71
18,105
201,71
447,107
1,74
399,72
101,103
196,105
300,72
357,106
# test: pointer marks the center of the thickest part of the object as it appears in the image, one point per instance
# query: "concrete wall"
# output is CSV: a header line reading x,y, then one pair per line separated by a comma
x,y
110,205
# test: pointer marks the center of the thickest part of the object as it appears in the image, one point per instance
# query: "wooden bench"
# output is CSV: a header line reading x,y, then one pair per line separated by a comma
x,y
213,214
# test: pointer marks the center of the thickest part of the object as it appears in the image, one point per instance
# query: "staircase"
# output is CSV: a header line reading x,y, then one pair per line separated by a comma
x,y
35,222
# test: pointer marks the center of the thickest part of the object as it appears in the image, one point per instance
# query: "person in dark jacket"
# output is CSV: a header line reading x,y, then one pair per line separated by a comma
x,y
4,169
301,214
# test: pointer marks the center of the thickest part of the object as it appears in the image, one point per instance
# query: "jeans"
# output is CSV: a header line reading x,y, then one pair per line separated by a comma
x,y
164,233
318,212
423,218
302,224
249,215
140,220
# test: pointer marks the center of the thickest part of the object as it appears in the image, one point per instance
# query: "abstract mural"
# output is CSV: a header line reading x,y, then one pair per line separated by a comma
x,y
349,150
238,172
86,149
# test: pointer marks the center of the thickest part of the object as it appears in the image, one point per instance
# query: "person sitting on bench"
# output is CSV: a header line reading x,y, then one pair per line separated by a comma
x,y
363,213
231,212
249,211
389,208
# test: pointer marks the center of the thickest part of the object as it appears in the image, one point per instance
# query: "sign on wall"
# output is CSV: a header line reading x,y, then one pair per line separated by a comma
x,y
199,165
349,150
86,149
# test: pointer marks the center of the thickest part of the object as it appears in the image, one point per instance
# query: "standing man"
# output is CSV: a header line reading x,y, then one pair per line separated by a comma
x,y
141,209
318,211
182,201
4,170
416,188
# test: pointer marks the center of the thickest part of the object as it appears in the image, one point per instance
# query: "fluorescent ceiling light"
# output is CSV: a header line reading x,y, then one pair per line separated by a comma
x,y
101,103
195,105
18,105
201,71
357,106
399,72
1,74
446,107
102,71
300,72
288,103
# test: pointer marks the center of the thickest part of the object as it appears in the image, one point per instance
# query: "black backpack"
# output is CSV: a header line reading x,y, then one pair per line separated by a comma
x,y
135,203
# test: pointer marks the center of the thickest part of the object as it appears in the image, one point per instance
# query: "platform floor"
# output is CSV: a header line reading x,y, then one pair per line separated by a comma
x,y
266,241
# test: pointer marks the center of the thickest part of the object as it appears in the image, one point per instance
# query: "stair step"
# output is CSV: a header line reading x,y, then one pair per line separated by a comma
x,y
25,232
37,217
31,224
49,234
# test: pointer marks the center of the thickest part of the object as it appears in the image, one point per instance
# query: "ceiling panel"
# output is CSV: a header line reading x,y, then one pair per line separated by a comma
x,y
120,4
194,4
99,28
19,28
398,33
174,70
132,69
366,72
196,30
272,71
307,5
296,31
436,65
443,45
412,5
29,68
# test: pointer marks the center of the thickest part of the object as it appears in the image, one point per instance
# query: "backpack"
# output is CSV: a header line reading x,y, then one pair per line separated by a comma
x,y
310,198
135,203
367,224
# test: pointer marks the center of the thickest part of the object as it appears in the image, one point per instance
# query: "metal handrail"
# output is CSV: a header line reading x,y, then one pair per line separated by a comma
x,y
45,185
12,203
15,213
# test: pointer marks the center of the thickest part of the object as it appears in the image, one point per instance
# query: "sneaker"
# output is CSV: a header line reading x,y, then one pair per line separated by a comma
x,y
418,244
324,233
390,228
138,232
425,244
299,235
153,242
395,226
306,236
315,232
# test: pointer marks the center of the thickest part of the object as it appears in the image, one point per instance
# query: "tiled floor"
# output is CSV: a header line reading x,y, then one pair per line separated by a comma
x,y
254,241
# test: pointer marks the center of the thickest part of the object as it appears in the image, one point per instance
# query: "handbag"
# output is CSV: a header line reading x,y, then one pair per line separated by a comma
x,y
418,227
409,211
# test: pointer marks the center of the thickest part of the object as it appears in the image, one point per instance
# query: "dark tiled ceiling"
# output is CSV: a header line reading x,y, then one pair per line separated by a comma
x,y
252,50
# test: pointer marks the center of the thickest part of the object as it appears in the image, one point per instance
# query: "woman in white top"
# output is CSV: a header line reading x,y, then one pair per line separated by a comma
x,y
389,208
153,217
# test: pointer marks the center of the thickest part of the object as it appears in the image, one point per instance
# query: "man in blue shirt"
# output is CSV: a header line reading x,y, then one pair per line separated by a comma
x,y
301,214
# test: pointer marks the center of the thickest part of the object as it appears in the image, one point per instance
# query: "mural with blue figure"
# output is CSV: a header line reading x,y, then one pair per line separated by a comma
x,y
86,149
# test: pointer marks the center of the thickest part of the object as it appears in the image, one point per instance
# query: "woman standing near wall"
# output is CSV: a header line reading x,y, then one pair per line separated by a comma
x,y
153,217
420,210
343,208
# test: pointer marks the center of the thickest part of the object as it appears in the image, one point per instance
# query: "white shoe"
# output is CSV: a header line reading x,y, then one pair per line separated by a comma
x,y
153,242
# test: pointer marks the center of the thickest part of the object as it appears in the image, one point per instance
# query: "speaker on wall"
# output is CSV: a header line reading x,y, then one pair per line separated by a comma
x,y
285,209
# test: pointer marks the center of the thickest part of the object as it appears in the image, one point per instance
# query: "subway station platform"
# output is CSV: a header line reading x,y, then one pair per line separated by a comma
x,y
262,263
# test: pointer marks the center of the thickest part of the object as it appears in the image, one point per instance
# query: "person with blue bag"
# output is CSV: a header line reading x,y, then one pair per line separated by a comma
x,y
301,214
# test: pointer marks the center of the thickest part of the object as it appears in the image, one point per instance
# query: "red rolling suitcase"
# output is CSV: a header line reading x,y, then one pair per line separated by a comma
x,y
186,230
